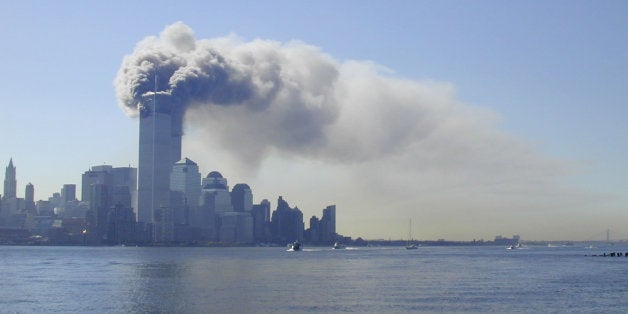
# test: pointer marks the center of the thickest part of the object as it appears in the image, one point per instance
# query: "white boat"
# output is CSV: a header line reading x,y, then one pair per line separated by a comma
x,y
513,247
410,245
339,246
295,246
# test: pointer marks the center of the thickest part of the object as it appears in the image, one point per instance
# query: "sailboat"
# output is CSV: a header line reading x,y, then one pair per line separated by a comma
x,y
410,245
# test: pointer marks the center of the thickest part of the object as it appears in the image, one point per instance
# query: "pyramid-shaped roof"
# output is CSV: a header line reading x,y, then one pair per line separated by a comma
x,y
186,161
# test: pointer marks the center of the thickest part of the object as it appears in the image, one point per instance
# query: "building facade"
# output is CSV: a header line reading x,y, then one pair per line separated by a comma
x,y
121,183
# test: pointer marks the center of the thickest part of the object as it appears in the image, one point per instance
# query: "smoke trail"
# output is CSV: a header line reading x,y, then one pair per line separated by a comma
x,y
259,96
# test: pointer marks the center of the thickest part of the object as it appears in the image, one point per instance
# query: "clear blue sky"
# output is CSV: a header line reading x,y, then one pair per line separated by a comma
x,y
554,73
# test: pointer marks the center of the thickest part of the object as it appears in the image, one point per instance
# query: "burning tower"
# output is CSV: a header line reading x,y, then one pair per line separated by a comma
x,y
160,149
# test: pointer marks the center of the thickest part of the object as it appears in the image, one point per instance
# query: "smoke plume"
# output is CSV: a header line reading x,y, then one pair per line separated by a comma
x,y
262,96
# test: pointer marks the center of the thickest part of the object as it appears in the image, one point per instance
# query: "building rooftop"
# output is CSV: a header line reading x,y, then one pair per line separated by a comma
x,y
186,161
214,174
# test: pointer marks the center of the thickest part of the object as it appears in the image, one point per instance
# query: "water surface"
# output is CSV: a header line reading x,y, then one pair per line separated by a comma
x,y
270,280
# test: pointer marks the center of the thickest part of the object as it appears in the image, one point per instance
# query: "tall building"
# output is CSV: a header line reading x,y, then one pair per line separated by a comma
x,y
120,181
323,231
217,213
328,224
120,225
286,223
10,214
29,197
10,183
313,234
96,175
68,193
97,215
261,221
215,201
242,198
125,178
110,194
185,186
160,148
216,193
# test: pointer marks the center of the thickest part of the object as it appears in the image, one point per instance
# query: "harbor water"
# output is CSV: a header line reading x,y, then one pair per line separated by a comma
x,y
316,280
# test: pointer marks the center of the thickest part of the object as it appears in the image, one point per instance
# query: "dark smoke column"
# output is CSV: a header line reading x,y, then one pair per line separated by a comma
x,y
160,148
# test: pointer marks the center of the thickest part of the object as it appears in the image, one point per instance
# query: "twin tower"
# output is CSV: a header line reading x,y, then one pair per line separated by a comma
x,y
161,129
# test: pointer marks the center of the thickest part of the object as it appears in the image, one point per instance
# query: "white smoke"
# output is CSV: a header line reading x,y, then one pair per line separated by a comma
x,y
251,99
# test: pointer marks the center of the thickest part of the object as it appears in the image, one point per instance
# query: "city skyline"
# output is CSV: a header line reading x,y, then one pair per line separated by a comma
x,y
197,212
521,110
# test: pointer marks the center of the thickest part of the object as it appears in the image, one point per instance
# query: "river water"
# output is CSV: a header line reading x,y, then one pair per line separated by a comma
x,y
316,280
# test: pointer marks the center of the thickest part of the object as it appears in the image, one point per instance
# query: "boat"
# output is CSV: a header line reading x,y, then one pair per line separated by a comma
x,y
339,246
513,247
410,245
295,246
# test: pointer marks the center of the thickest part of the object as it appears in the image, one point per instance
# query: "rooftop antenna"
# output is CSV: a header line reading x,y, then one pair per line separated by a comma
x,y
154,141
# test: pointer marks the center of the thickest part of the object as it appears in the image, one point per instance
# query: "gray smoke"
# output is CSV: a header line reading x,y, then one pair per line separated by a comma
x,y
252,98
293,83
183,71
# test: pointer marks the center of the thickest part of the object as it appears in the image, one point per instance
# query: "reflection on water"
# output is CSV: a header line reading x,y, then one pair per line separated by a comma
x,y
156,286
160,270
202,280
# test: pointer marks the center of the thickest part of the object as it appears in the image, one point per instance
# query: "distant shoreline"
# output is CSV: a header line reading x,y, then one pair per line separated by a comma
x,y
362,243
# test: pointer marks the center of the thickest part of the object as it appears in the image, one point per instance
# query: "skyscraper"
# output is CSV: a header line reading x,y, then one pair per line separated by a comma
x,y
98,209
126,177
242,198
215,194
185,177
10,184
29,197
109,193
120,181
68,193
261,220
328,224
96,175
160,147
286,223
185,185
